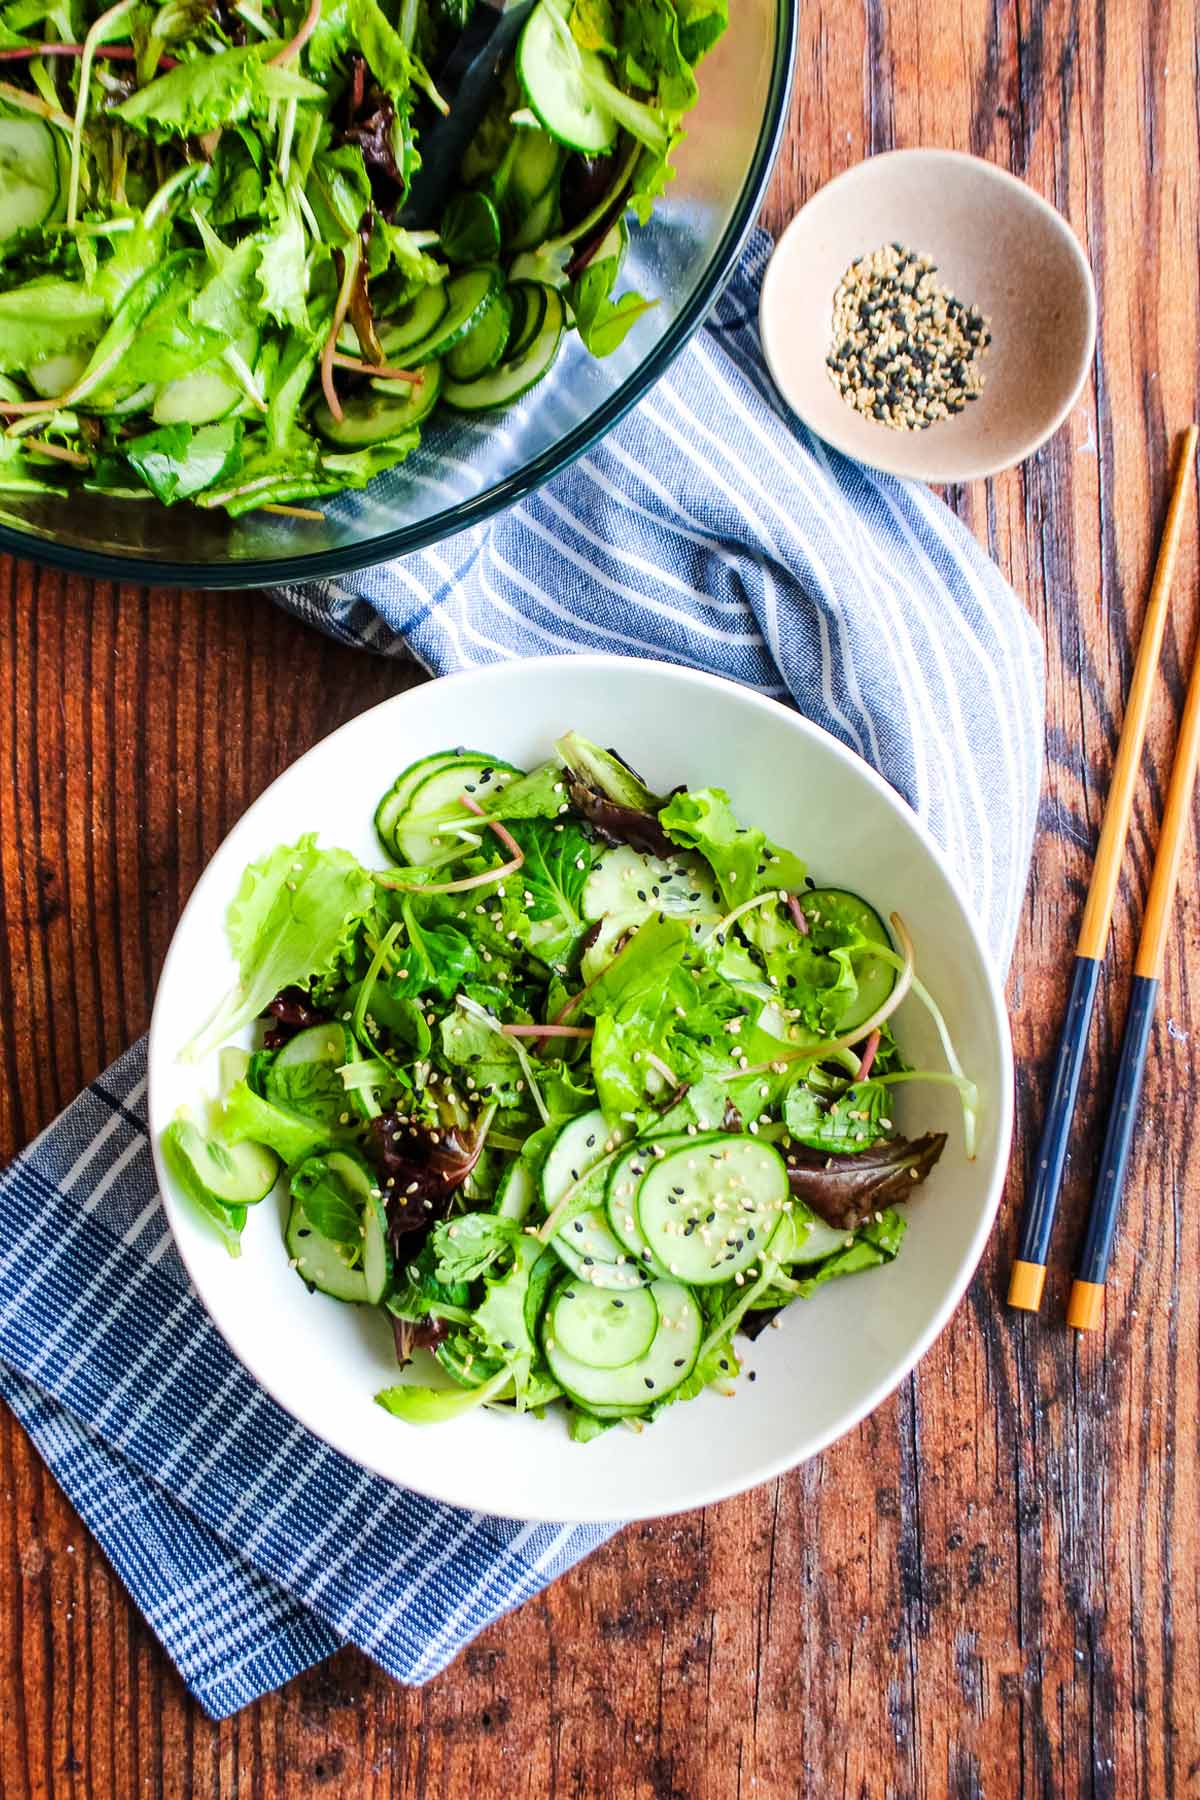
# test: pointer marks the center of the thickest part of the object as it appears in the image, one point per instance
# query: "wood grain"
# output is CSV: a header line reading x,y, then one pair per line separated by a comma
x,y
991,1587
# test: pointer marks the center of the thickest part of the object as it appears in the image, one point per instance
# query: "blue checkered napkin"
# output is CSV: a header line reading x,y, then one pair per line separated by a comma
x,y
707,529
252,1548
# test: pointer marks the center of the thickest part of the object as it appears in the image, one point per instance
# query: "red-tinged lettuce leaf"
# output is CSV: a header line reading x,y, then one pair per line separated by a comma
x,y
419,1170
617,824
844,1190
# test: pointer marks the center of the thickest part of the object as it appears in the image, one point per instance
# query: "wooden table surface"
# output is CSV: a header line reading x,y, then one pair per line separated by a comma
x,y
991,1587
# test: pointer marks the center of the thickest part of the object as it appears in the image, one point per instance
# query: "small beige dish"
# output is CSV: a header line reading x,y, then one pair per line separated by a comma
x,y
998,246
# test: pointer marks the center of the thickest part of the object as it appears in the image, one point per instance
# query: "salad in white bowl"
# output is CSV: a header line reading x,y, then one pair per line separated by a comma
x,y
540,1088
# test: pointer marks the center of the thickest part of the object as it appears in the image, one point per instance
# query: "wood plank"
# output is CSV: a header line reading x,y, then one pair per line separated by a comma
x,y
992,1586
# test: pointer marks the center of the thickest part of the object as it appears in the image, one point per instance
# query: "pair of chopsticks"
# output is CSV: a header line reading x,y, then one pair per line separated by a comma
x,y
1029,1269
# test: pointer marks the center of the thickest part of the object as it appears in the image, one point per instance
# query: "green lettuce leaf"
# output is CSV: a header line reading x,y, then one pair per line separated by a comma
x,y
176,461
465,1247
288,923
215,90
45,318
283,261
633,1005
247,1118
875,1243
850,1123
434,1406
327,1204
543,902
743,859
490,1059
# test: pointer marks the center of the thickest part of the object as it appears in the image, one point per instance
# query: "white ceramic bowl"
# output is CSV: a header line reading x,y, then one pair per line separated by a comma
x,y
999,246
838,1355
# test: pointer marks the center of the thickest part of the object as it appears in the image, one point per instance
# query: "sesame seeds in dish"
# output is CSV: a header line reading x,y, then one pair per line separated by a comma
x,y
904,351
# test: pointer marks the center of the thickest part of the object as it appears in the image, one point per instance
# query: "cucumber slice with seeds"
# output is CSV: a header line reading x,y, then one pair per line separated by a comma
x,y
517,1191
602,1329
592,1251
709,1210
381,410
549,66
434,818
468,297
484,344
663,1367
515,375
395,803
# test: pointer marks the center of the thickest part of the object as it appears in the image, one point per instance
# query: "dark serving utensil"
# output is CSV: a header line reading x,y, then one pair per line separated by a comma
x,y
466,82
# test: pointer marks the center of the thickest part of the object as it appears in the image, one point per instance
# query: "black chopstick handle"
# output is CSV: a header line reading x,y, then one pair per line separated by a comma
x,y
1041,1200
1087,1290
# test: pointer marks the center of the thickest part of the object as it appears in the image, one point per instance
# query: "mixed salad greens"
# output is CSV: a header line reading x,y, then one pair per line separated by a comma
x,y
226,277
584,1082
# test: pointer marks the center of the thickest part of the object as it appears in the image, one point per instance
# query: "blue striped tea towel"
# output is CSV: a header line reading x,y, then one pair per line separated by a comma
x,y
707,528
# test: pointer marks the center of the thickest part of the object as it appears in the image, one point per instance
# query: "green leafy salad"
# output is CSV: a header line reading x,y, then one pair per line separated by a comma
x,y
244,255
585,1082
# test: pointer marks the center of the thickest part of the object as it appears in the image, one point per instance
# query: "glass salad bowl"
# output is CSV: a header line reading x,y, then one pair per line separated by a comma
x,y
467,469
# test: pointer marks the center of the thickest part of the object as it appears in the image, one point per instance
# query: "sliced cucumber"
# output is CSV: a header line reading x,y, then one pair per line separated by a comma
x,y
620,1196
484,344
57,374
517,1191
549,67
627,884
579,1146
470,1368
303,1077
355,1265
28,176
381,410
840,910
709,1209
603,1330
591,1250
528,316
534,168
626,887
431,820
205,395
575,1172
376,1250
516,374
395,802
663,1367
468,297
233,1174
233,1065
813,1239
412,324
320,1262
536,223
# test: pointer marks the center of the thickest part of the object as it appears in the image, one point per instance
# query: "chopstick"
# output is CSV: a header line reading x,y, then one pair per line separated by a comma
x,y
1087,1289
1029,1268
